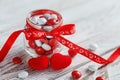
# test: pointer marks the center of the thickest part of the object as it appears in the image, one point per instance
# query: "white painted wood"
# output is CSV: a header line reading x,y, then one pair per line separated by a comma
x,y
97,21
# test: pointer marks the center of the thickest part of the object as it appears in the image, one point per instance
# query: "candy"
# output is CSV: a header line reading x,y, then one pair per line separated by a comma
x,y
39,50
93,47
51,22
52,42
47,15
53,16
23,74
47,28
42,21
17,60
99,78
76,74
46,47
72,53
34,19
38,43
48,52
92,67
32,44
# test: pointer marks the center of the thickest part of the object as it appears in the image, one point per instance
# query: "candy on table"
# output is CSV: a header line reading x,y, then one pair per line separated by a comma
x,y
76,74
38,43
17,60
93,47
40,50
100,78
71,53
23,74
92,68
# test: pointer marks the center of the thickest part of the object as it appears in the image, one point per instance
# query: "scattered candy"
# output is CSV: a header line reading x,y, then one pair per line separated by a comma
x,y
46,47
92,68
17,60
93,47
52,42
99,78
23,74
39,50
42,21
47,28
76,74
72,53
38,43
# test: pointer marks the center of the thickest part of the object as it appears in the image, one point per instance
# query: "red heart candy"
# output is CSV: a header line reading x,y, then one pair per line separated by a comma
x,y
39,63
59,61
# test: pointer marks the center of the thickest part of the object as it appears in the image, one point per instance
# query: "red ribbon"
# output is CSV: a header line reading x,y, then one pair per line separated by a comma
x,y
32,33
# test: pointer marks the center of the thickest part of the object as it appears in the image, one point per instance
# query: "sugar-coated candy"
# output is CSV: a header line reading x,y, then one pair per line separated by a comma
x,y
47,15
40,50
51,22
92,67
46,47
32,44
72,53
34,19
38,43
17,60
93,47
76,74
42,21
23,74
99,78
53,16
47,28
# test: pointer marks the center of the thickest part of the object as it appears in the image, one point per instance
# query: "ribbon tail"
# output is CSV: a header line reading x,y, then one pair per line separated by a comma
x,y
92,56
6,47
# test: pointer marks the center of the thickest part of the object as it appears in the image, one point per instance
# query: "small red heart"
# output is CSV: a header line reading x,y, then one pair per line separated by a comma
x,y
39,63
59,61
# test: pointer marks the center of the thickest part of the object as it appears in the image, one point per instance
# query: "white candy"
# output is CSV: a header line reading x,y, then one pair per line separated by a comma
x,y
38,43
34,19
49,37
46,47
42,21
47,15
53,16
92,67
47,28
93,47
23,74
38,27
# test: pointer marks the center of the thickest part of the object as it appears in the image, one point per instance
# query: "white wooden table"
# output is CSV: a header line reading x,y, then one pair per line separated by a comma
x,y
97,21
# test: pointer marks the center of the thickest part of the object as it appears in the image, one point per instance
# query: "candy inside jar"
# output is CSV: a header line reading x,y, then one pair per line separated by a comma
x,y
45,20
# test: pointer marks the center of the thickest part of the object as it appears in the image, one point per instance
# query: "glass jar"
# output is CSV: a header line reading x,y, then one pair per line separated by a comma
x,y
45,20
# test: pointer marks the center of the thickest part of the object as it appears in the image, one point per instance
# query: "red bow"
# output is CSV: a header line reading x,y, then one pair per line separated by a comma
x,y
32,33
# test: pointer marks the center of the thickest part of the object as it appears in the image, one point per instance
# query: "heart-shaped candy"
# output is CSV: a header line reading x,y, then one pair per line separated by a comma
x,y
59,61
39,63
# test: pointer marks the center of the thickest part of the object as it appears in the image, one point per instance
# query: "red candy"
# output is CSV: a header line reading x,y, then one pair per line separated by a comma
x,y
39,50
32,44
52,42
17,60
76,74
51,22
72,53
48,52
99,78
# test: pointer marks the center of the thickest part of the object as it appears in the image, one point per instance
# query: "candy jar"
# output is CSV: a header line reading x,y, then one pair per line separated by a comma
x,y
46,21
